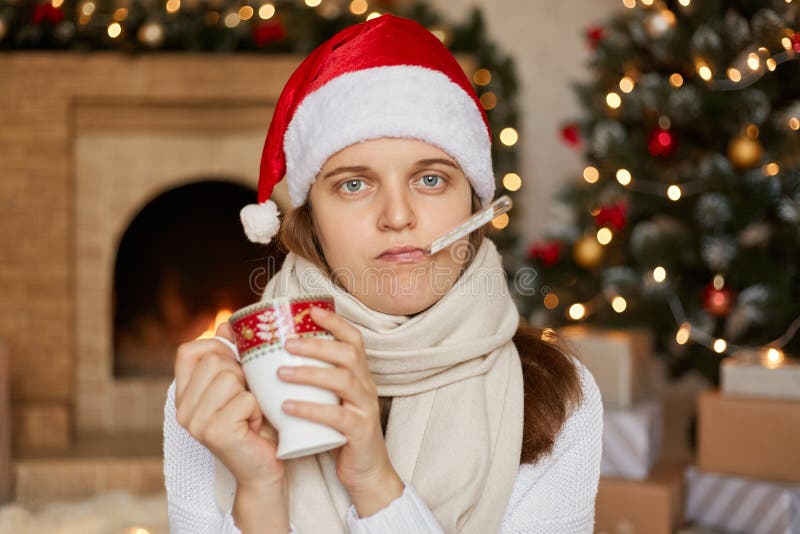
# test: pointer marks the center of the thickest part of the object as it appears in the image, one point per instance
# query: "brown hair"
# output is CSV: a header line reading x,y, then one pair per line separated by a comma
x,y
551,383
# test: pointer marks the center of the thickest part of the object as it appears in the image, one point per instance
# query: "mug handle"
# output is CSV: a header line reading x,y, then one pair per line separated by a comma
x,y
228,343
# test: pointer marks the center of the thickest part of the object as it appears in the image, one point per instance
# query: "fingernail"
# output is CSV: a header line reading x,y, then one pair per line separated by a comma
x,y
288,405
290,343
321,312
285,371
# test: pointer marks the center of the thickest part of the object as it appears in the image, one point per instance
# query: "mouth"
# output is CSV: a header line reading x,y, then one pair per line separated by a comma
x,y
404,254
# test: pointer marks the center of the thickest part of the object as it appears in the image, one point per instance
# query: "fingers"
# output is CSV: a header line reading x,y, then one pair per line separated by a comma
x,y
348,420
334,352
224,387
224,330
339,380
204,372
242,408
190,353
338,326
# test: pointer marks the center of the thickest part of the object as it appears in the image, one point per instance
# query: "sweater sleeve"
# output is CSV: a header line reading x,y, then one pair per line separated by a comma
x,y
190,481
556,495
407,513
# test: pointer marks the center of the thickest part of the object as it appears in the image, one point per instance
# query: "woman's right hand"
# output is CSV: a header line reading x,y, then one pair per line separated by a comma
x,y
214,405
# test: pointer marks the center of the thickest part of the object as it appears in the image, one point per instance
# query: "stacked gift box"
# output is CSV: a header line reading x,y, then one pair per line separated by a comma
x,y
640,491
747,474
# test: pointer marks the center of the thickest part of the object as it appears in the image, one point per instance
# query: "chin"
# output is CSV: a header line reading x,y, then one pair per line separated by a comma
x,y
401,305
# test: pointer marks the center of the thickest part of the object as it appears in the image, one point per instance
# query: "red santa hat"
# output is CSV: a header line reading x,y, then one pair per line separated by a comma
x,y
386,77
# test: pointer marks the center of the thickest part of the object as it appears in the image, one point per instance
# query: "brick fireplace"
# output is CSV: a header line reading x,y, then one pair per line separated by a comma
x,y
87,141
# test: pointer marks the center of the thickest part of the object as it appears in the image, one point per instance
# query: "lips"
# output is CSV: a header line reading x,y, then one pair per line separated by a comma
x,y
404,254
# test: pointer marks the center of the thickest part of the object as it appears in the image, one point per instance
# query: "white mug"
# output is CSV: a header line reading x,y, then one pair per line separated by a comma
x,y
260,331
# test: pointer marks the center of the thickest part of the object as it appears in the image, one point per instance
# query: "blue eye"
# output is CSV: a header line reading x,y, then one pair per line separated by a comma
x,y
431,183
349,183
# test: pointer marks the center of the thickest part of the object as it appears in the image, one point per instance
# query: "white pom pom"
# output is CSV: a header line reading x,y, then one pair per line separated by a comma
x,y
260,221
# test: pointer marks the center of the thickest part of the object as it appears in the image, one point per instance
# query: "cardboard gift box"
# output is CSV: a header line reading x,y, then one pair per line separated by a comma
x,y
632,439
617,359
739,504
751,376
650,506
749,436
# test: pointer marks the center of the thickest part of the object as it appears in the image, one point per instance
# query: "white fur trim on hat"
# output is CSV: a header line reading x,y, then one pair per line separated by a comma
x,y
390,101
260,221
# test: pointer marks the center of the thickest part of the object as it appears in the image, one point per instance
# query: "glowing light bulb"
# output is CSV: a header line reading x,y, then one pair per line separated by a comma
x,y
551,301
488,100
619,304
705,72
675,80
358,7
674,193
604,236
753,61
773,358
267,11
509,136
683,334
626,84
624,176
771,169
482,77
512,181
659,274
613,100
232,19
734,75
577,311
114,30
720,345
501,221
591,174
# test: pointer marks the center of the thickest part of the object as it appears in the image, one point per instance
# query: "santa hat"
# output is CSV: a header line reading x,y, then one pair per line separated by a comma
x,y
386,77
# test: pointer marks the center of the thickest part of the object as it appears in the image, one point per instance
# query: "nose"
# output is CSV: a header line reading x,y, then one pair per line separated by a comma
x,y
397,211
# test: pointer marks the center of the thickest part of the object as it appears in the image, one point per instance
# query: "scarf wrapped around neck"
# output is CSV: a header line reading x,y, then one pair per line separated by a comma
x,y
455,427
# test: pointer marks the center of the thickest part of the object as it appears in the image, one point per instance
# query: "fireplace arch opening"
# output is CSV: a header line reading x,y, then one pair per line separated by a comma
x,y
182,263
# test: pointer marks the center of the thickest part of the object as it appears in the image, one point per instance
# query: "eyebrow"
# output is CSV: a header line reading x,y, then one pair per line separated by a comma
x,y
362,168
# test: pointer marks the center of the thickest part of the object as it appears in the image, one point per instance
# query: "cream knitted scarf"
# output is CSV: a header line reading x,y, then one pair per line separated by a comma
x,y
455,428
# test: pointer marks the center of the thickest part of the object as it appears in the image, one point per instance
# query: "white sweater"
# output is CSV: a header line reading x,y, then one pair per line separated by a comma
x,y
555,495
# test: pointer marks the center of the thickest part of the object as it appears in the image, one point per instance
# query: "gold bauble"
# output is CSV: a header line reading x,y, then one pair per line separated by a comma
x,y
587,251
745,152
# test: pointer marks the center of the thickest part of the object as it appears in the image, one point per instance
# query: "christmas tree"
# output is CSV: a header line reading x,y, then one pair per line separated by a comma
x,y
687,214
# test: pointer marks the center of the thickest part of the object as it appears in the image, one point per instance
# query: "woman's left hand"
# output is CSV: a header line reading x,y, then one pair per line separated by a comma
x,y
362,464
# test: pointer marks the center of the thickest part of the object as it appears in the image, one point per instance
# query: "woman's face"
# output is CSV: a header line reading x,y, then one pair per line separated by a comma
x,y
387,193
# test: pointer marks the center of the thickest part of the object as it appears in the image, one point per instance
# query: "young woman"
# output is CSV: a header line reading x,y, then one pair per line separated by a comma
x,y
458,417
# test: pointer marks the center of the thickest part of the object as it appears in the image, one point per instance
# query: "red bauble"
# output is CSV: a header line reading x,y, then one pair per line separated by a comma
x,y
614,216
547,252
571,135
47,12
594,34
263,34
662,143
796,42
717,301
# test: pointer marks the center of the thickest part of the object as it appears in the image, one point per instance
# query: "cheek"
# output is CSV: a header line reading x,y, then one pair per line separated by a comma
x,y
339,233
